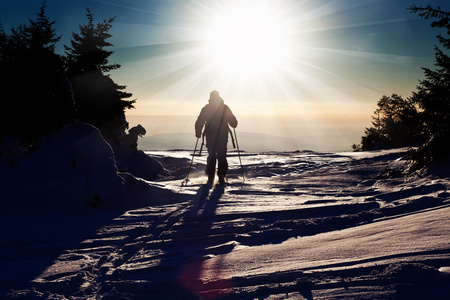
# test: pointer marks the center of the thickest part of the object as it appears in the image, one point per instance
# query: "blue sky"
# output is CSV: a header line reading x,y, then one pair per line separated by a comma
x,y
337,57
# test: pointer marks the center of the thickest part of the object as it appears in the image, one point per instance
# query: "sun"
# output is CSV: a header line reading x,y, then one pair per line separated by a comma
x,y
247,38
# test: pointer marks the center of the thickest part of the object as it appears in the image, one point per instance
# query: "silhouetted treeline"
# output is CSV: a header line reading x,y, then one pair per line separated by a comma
x,y
99,100
396,123
41,91
422,120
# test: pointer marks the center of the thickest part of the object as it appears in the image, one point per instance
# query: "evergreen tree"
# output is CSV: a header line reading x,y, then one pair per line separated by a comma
x,y
3,41
395,123
433,93
100,101
36,95
427,119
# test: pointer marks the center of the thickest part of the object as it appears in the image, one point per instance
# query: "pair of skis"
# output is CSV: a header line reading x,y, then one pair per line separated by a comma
x,y
233,139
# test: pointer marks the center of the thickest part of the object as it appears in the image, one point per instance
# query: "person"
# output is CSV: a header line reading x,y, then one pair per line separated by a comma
x,y
215,117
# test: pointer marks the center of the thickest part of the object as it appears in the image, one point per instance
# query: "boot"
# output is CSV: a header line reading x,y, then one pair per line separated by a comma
x,y
210,179
221,180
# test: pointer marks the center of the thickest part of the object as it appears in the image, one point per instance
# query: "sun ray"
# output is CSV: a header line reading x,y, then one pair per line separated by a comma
x,y
304,78
110,3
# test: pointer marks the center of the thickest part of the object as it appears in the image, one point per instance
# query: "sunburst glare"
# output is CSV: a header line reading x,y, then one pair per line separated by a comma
x,y
247,39
304,66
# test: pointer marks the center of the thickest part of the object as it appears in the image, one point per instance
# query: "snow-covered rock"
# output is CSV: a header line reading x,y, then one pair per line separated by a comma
x,y
74,168
131,160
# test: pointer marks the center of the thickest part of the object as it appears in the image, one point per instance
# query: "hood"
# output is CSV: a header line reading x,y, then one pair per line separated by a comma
x,y
216,101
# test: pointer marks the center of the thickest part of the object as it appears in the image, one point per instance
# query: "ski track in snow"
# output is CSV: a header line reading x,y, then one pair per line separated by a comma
x,y
303,225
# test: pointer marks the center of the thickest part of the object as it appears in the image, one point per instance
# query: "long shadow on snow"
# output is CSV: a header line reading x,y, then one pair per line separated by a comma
x,y
270,227
191,275
173,264
38,243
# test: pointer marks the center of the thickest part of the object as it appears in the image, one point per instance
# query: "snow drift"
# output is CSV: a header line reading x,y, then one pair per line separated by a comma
x,y
303,225
75,168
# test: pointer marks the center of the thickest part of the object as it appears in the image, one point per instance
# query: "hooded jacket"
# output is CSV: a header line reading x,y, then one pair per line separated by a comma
x,y
215,116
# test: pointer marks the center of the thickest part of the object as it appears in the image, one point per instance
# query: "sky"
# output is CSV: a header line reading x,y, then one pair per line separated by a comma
x,y
306,69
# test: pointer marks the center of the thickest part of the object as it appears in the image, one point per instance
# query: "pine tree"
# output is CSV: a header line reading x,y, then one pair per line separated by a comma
x,y
395,124
40,34
427,118
3,42
87,52
36,93
100,101
433,93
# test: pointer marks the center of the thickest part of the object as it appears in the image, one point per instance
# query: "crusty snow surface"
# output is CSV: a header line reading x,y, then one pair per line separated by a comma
x,y
303,225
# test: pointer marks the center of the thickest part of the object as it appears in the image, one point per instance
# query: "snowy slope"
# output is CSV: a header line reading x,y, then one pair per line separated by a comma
x,y
74,168
303,225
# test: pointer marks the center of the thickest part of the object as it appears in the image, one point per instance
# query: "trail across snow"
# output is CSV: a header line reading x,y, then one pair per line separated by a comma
x,y
303,225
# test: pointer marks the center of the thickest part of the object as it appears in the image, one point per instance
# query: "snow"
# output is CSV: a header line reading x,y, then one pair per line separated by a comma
x,y
74,169
339,249
302,225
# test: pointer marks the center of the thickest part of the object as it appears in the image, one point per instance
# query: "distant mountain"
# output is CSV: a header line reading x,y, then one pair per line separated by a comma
x,y
248,141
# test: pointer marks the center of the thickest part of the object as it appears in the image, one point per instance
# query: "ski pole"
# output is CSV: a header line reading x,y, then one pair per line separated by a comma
x,y
239,154
232,138
203,143
185,181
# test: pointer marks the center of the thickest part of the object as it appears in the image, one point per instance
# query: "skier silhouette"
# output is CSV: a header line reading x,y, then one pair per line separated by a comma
x,y
215,117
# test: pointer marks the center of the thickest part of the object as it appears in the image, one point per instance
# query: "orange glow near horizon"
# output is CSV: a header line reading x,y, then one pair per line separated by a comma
x,y
278,62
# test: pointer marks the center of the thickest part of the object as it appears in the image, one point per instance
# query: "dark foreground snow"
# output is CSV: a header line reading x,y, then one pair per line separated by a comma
x,y
303,225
